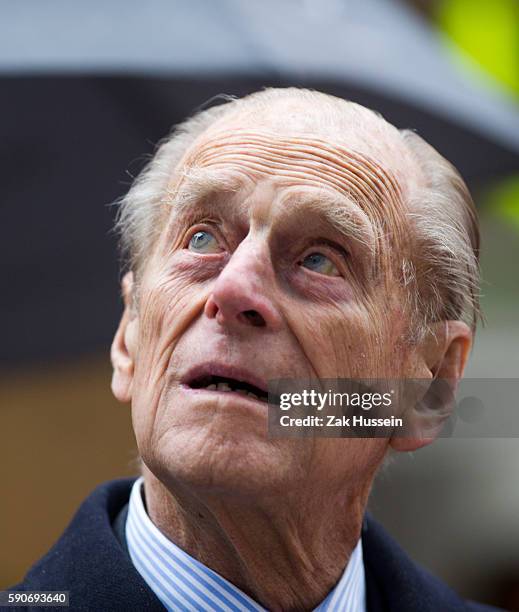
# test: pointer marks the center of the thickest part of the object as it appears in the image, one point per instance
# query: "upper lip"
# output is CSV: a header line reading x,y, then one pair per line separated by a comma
x,y
226,370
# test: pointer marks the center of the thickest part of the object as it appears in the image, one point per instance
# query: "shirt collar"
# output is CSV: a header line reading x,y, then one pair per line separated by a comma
x,y
184,584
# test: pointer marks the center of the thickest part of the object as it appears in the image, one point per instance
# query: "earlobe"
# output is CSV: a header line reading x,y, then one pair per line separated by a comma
x,y
428,406
445,353
123,350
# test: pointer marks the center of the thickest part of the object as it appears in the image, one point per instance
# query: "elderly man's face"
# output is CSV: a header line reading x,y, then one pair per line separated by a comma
x,y
271,265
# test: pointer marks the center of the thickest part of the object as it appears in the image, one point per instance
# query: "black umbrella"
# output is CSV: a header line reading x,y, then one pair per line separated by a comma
x,y
87,88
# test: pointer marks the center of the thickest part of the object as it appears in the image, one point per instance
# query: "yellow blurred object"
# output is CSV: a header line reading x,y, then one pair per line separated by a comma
x,y
63,434
488,32
503,198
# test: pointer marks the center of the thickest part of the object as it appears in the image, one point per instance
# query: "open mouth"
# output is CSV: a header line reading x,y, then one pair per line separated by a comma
x,y
231,385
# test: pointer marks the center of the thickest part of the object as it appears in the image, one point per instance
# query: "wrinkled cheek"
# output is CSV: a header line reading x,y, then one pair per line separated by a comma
x,y
344,342
167,309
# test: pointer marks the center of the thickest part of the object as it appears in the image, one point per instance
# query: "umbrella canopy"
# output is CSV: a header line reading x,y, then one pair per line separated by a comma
x,y
88,88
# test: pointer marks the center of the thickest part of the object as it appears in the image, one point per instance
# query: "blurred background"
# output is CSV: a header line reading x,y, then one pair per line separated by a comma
x,y
87,90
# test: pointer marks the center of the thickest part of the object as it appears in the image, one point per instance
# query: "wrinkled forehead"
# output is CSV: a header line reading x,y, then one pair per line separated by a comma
x,y
366,175
298,158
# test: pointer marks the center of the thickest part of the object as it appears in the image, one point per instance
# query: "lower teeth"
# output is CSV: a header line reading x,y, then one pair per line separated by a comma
x,y
225,387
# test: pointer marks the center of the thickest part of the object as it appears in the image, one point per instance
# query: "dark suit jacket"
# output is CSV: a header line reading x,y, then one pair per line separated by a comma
x,y
90,560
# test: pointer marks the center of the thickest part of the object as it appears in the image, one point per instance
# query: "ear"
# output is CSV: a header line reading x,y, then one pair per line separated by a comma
x,y
124,345
444,353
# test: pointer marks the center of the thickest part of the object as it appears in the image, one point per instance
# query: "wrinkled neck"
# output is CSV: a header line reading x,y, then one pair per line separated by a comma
x,y
284,553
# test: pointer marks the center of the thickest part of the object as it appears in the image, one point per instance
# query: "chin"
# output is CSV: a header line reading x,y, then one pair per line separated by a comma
x,y
241,464
218,444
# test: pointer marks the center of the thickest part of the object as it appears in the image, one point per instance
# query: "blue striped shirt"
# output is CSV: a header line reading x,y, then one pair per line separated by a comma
x,y
184,584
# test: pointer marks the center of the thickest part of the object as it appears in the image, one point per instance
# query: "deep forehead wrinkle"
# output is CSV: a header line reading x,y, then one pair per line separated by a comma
x,y
343,169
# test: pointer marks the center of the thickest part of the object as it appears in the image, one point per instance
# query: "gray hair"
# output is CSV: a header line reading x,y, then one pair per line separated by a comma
x,y
441,269
446,241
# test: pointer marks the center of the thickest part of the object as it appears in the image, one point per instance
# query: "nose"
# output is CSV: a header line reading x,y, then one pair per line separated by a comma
x,y
240,296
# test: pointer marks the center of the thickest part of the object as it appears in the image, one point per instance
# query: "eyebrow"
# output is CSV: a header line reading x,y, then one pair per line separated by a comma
x,y
198,185
337,210
201,185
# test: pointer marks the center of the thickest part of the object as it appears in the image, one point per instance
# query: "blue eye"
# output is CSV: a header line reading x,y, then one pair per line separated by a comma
x,y
321,264
203,242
